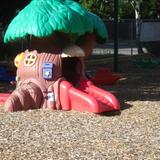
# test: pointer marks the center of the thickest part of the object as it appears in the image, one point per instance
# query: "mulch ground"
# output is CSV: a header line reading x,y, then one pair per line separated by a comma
x,y
130,134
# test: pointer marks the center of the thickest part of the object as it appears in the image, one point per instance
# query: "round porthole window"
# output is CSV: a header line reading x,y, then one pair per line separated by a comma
x,y
30,59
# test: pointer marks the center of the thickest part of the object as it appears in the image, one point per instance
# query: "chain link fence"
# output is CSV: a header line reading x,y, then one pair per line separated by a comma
x,y
148,38
126,37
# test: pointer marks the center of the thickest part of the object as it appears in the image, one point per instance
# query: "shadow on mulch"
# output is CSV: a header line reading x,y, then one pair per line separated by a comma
x,y
141,84
123,105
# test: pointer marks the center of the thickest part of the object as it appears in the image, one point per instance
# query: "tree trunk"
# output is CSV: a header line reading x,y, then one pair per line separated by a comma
x,y
138,21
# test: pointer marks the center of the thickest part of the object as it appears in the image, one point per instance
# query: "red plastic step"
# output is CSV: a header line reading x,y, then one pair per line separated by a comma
x,y
105,77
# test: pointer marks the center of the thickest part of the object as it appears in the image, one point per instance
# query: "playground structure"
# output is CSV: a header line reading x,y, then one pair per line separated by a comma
x,y
104,76
87,97
51,72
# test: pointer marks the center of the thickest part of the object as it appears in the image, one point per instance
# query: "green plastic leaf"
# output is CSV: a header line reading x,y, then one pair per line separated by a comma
x,y
99,27
41,18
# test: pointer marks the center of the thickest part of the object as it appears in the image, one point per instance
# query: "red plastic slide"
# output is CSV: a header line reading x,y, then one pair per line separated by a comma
x,y
86,97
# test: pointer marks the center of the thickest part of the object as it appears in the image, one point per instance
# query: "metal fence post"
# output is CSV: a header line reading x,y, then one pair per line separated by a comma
x,y
116,8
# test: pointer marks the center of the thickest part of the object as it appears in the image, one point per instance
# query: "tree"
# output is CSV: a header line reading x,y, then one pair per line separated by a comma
x,y
126,10
7,12
141,9
132,6
136,5
103,8
148,9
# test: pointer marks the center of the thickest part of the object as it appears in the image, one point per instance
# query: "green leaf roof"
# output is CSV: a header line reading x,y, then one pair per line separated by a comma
x,y
41,18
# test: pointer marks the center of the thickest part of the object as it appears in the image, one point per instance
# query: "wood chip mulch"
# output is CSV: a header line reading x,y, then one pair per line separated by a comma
x,y
131,134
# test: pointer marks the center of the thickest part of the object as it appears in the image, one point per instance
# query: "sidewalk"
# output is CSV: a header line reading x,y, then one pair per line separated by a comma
x,y
125,48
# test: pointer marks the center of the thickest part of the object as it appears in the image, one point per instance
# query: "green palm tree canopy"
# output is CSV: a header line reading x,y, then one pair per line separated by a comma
x,y
41,18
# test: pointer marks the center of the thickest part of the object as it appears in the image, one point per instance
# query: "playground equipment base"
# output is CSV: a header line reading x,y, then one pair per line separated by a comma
x,y
86,97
